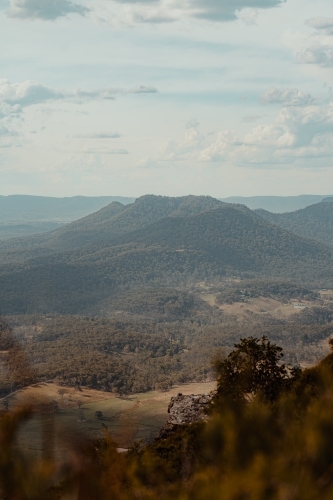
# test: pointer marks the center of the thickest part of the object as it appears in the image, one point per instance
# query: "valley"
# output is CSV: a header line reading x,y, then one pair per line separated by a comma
x,y
122,307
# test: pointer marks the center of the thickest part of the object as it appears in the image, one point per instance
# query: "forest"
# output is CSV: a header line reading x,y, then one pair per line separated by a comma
x,y
162,337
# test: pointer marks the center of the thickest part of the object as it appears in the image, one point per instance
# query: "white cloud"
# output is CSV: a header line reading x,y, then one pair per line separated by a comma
x,y
105,151
217,10
101,135
178,150
143,89
316,48
287,97
322,24
14,97
296,132
166,11
44,9
4,130
317,53
30,92
251,118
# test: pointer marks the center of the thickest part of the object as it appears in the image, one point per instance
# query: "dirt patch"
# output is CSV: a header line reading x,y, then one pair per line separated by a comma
x,y
260,305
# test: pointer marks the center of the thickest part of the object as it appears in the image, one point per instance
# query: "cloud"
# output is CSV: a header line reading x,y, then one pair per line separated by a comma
x,y
319,53
101,135
317,48
47,10
296,132
4,130
8,111
30,92
251,118
14,97
105,151
166,11
287,97
143,89
26,93
226,10
185,148
322,24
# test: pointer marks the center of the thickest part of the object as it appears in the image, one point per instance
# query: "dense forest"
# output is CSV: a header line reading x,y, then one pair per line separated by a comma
x,y
156,338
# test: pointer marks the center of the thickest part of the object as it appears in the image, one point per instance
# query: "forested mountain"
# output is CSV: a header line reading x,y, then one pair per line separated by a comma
x,y
314,222
276,204
117,219
107,224
176,250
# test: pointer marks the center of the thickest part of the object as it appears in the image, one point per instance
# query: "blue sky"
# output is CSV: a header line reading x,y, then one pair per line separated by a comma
x,y
219,97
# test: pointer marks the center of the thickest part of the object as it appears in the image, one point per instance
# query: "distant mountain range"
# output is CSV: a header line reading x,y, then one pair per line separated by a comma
x,y
29,209
154,242
22,215
276,204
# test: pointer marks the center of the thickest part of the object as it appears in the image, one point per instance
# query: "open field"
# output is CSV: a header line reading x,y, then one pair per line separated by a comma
x,y
128,419
259,305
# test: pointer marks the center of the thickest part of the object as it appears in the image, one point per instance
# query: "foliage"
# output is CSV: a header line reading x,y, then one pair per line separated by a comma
x,y
252,368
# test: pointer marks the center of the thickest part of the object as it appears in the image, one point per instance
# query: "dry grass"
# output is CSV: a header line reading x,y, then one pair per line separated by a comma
x,y
260,305
128,419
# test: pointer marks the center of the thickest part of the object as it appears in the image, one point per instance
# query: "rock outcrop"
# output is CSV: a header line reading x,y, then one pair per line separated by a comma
x,y
184,410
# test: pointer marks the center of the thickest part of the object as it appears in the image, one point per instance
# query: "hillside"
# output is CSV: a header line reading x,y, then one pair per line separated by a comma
x,y
314,222
229,240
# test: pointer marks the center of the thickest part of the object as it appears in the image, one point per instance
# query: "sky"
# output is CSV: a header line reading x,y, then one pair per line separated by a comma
x,y
170,97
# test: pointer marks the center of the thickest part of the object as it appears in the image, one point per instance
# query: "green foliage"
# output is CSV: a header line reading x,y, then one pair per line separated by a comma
x,y
252,369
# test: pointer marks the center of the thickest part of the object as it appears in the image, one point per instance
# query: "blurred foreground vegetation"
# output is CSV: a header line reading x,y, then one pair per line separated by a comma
x,y
269,436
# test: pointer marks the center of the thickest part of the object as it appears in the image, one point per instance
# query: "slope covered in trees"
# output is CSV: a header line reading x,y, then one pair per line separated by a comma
x,y
315,221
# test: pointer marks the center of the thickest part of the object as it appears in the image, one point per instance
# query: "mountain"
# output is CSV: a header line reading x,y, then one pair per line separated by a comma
x,y
190,245
276,204
111,222
314,222
25,208
14,230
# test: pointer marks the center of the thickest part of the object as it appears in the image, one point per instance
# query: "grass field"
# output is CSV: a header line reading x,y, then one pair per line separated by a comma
x,y
128,419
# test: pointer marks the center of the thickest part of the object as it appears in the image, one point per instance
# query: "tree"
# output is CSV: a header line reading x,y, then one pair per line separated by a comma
x,y
99,414
254,367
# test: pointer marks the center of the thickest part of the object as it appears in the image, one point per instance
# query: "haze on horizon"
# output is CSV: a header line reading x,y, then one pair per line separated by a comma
x,y
127,97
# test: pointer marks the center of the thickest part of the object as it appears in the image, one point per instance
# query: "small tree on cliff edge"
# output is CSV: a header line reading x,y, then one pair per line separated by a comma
x,y
254,367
